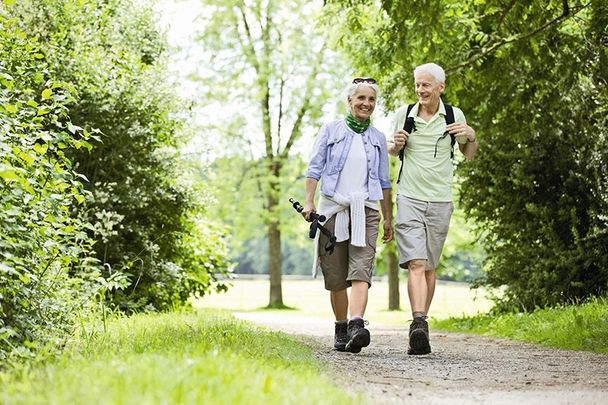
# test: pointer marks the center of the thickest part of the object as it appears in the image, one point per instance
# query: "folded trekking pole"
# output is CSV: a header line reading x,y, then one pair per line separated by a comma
x,y
315,219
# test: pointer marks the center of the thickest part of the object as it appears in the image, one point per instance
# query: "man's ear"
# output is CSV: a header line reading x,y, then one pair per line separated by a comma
x,y
441,87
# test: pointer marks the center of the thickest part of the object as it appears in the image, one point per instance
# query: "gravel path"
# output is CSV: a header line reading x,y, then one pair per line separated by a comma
x,y
463,369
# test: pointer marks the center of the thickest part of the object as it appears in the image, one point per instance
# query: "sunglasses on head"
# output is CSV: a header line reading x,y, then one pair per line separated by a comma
x,y
369,80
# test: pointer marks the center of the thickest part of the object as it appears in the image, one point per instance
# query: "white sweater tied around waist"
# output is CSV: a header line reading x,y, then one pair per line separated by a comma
x,y
339,206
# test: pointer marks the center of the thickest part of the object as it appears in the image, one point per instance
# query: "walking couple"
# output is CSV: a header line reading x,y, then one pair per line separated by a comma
x,y
350,159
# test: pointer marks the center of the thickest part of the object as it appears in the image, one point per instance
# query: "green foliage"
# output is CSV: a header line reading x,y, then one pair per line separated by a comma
x,y
539,186
212,358
141,215
577,327
252,258
91,202
270,60
243,189
532,79
46,273
463,255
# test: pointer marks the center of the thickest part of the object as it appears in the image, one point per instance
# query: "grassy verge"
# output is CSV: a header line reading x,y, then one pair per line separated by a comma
x,y
205,357
310,299
577,327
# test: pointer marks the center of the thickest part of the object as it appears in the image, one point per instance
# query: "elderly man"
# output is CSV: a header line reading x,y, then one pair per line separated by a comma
x,y
424,189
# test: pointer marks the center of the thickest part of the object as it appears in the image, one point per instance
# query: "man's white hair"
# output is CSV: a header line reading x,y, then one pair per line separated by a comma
x,y
433,69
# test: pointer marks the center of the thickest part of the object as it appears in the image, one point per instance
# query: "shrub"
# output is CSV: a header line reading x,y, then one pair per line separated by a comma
x,y
46,272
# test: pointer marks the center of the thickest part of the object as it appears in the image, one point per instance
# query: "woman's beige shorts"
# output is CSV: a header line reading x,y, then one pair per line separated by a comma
x,y
348,262
420,230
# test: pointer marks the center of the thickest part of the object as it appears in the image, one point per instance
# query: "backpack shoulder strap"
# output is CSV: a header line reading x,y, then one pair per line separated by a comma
x,y
407,114
449,119
405,125
449,114
409,109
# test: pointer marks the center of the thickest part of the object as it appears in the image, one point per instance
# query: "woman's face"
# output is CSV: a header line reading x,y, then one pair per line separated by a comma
x,y
362,103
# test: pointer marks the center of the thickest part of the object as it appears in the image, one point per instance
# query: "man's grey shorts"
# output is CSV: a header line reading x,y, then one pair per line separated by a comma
x,y
420,230
350,263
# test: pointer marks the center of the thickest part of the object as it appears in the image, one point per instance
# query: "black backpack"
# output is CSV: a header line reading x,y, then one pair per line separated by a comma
x,y
410,126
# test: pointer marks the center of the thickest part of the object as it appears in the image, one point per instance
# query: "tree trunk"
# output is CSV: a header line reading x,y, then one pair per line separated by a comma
x,y
274,265
275,260
393,280
393,274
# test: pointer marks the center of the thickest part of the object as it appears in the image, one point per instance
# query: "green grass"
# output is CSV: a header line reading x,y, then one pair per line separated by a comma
x,y
310,299
176,358
577,327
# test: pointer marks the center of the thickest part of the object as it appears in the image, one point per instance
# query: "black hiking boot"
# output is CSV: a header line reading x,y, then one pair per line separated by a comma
x,y
419,337
358,336
341,336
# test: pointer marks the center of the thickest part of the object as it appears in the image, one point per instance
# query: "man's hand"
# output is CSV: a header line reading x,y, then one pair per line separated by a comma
x,y
399,141
388,232
459,129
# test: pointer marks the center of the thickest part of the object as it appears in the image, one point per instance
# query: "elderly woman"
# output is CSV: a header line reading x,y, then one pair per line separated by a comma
x,y
351,159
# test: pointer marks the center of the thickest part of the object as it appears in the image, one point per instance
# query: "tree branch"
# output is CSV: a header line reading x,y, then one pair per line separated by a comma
x,y
281,89
264,83
247,172
567,13
248,47
295,131
504,14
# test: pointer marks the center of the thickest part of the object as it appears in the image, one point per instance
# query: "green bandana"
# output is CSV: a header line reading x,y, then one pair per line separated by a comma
x,y
355,125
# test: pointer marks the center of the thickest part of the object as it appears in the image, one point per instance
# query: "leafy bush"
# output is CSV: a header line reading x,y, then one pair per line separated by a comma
x,y
538,186
46,274
532,78
86,215
140,212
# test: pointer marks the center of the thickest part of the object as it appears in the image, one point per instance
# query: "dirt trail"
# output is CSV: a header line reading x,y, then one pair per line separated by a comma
x,y
463,369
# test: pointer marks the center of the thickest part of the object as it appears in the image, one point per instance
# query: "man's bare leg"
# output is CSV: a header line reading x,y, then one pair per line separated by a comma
x,y
417,288
358,298
420,295
430,289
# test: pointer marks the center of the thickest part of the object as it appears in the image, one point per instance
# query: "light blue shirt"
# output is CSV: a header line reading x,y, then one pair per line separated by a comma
x,y
331,150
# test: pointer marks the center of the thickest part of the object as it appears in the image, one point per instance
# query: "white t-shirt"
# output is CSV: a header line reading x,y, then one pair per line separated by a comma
x,y
353,177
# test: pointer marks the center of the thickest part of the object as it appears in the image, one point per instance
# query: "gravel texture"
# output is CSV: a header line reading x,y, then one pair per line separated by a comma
x,y
462,369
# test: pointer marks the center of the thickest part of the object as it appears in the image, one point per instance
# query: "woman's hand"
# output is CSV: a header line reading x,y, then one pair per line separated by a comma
x,y
309,207
309,200
388,232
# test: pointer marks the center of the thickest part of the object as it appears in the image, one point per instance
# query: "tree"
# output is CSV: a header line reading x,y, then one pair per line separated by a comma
x,y
47,273
532,78
392,262
268,57
147,225
248,246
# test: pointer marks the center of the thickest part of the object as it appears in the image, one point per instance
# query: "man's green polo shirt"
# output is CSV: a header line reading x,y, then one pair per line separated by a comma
x,y
425,177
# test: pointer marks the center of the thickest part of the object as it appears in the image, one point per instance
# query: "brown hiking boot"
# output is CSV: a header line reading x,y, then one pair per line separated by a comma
x,y
419,337
340,336
358,336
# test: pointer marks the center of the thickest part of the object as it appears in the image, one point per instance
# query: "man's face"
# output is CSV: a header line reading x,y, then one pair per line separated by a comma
x,y
428,90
